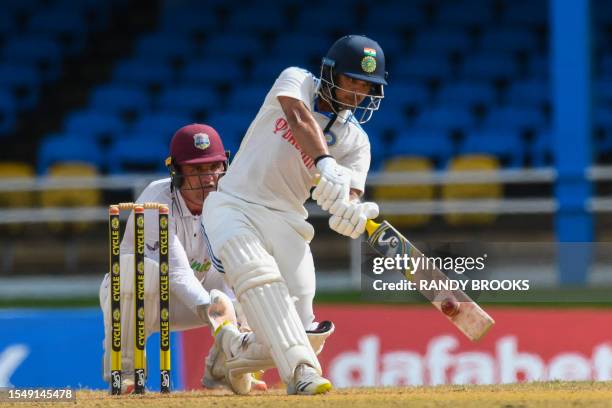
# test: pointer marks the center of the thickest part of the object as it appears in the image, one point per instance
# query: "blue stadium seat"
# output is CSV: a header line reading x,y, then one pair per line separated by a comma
x,y
602,91
526,12
138,155
423,66
16,7
340,22
65,26
432,144
378,148
539,66
391,43
43,52
265,72
389,117
232,127
302,45
256,17
120,99
94,124
464,13
532,92
605,66
467,93
248,98
66,147
161,125
189,20
445,118
165,47
95,13
233,46
442,40
602,118
7,112
143,73
541,149
204,73
489,66
514,117
191,100
394,17
503,143
8,25
509,39
23,81
405,94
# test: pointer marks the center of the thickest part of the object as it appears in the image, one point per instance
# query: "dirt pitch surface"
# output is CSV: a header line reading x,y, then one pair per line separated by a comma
x,y
550,394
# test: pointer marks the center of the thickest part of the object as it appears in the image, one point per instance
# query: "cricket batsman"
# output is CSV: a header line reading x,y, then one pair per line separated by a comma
x,y
197,161
307,132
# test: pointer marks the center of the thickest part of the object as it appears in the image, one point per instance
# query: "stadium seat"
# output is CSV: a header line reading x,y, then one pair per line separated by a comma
x,y
94,125
423,66
138,155
160,126
189,20
256,17
7,112
165,47
71,197
67,148
442,40
529,93
445,118
464,13
471,191
232,127
389,117
191,100
42,52
143,73
340,22
541,149
602,91
467,93
415,192
509,39
539,66
65,26
302,45
525,12
249,97
235,46
394,17
125,100
404,95
265,72
95,13
489,66
431,144
202,72
23,81
506,145
16,199
8,25
514,117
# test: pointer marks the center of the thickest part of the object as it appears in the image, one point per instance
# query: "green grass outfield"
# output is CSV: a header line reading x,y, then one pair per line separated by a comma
x,y
533,395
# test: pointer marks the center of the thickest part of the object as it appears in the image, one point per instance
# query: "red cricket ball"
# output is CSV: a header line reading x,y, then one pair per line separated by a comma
x,y
450,307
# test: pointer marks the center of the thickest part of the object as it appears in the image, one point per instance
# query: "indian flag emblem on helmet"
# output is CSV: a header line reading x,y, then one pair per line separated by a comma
x,y
201,141
368,64
369,51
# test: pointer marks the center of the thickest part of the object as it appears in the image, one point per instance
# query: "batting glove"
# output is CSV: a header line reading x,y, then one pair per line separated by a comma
x,y
334,183
350,218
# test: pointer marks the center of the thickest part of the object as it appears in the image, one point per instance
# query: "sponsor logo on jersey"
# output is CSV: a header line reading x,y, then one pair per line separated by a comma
x,y
201,141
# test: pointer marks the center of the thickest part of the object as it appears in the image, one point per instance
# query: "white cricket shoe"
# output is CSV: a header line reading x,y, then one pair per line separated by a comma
x,y
239,383
307,381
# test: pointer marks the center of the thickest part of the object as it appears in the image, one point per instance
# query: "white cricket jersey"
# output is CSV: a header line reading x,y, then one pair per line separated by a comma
x,y
187,244
270,168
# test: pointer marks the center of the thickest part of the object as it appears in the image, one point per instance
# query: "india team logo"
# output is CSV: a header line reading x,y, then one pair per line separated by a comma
x,y
330,138
201,141
368,64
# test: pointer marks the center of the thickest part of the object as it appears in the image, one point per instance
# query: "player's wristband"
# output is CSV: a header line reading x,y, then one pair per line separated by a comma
x,y
321,157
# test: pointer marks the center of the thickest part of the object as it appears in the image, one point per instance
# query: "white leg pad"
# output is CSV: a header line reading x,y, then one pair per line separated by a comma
x,y
265,300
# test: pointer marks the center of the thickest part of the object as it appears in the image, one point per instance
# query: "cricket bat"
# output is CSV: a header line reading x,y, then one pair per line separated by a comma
x,y
457,306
